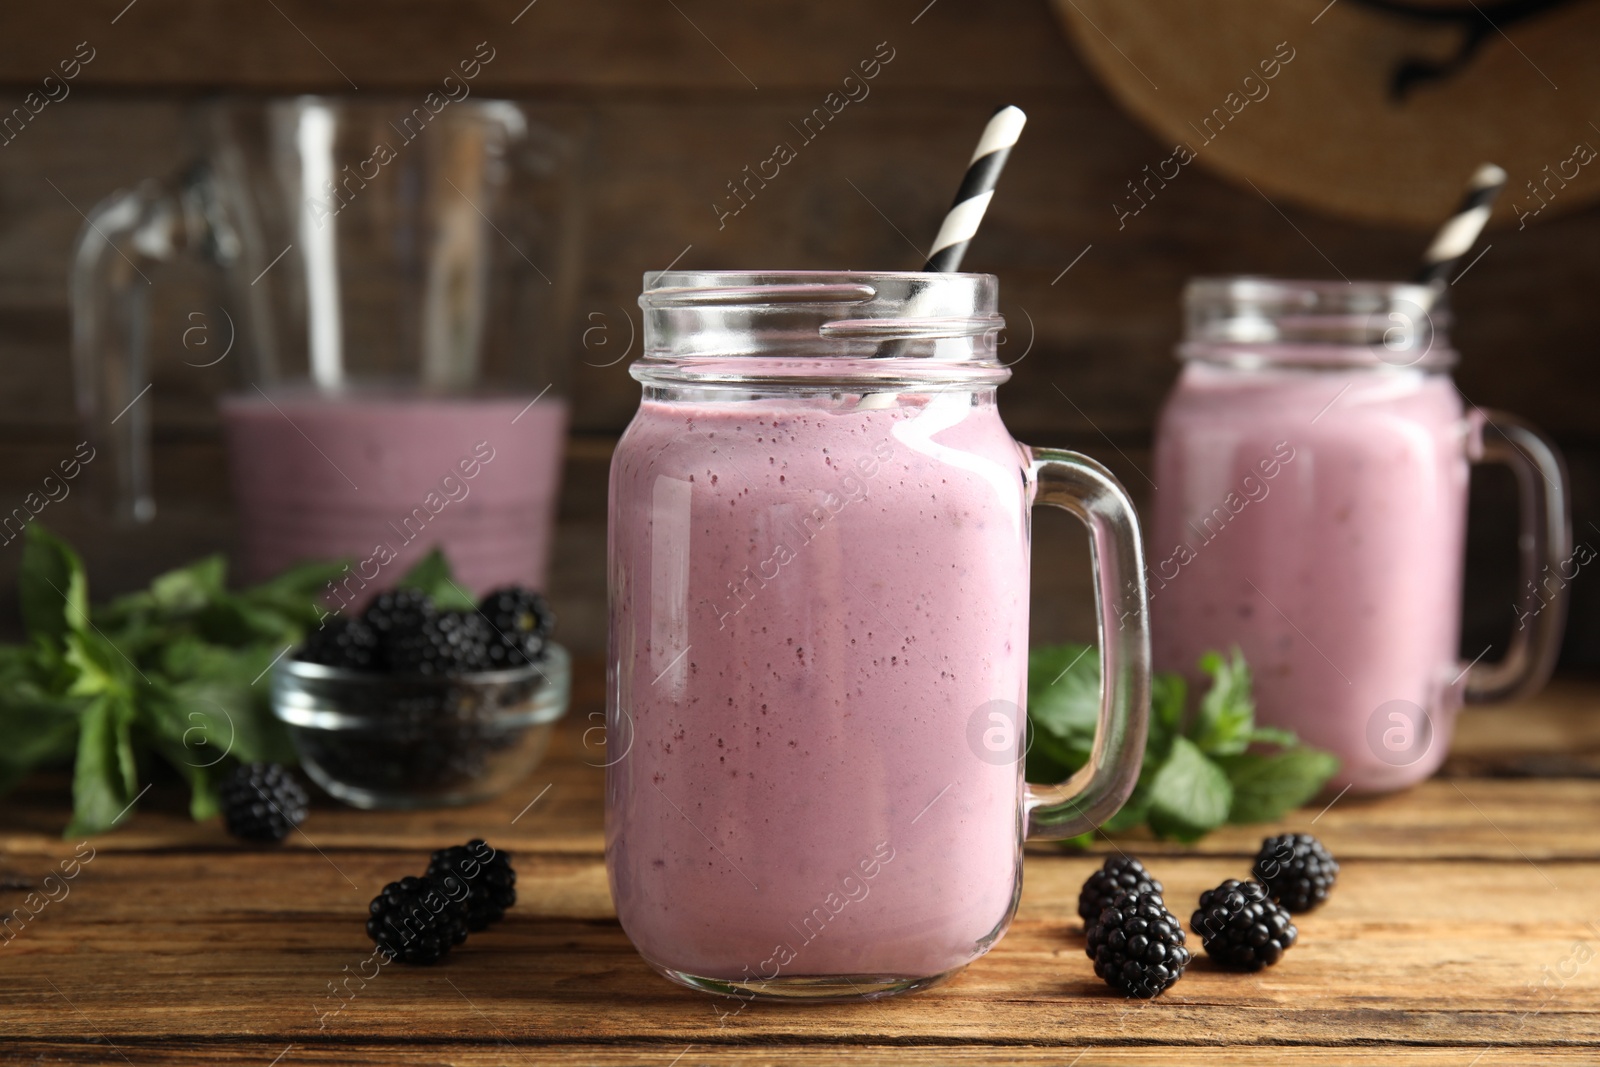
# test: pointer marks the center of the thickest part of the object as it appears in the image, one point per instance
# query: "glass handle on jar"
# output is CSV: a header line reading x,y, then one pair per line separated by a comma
x,y
122,238
1083,487
1544,549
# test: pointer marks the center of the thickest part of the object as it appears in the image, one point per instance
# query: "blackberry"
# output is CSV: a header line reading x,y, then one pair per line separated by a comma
x,y
398,609
522,619
262,802
1241,928
1119,874
415,920
348,643
485,872
1297,870
437,761
444,643
1138,945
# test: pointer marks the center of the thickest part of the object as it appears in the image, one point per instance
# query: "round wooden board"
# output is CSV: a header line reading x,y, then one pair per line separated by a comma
x,y
1327,129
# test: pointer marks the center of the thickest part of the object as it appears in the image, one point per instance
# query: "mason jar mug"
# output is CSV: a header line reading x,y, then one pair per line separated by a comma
x,y
1312,468
819,554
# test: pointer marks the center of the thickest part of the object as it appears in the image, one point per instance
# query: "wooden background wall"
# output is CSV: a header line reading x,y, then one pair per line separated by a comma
x,y
669,100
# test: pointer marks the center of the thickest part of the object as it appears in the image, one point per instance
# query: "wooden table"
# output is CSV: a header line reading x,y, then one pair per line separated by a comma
x,y
1463,930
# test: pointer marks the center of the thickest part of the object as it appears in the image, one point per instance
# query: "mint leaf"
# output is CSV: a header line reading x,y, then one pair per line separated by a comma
x,y
203,777
101,666
1228,711
51,586
105,779
1047,759
1064,710
296,597
217,701
1168,695
432,575
1190,795
1063,707
1166,715
1266,787
240,621
1136,812
1191,780
302,582
37,727
204,786
1272,735
1064,692
190,588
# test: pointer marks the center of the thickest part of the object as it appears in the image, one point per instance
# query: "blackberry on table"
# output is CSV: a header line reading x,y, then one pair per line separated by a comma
x,y
262,802
1137,945
348,643
522,619
444,643
1118,875
415,920
486,873
1297,870
1241,928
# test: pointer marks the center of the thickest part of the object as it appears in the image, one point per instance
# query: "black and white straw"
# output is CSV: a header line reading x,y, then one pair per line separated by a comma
x,y
977,189
1457,236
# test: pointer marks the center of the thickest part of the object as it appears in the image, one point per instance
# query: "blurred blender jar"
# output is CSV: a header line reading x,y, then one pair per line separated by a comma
x,y
386,346
1312,464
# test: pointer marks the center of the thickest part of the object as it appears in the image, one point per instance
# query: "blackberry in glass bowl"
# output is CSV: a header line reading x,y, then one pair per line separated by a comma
x,y
445,713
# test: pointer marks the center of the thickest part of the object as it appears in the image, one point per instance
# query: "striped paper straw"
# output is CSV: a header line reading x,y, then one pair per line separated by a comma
x,y
977,189
1457,236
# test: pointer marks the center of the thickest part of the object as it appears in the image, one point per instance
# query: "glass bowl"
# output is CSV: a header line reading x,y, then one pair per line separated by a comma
x,y
411,741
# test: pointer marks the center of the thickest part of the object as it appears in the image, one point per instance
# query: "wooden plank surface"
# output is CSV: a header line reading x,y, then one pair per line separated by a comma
x,y
1461,931
416,1054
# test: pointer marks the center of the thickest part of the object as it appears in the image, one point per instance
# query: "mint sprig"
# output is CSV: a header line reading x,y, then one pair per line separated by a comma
x,y
174,671
1201,769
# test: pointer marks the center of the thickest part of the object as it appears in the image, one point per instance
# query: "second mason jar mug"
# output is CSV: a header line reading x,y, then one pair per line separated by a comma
x,y
819,554
1312,464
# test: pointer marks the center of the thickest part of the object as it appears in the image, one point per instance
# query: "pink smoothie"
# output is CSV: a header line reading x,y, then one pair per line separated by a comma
x,y
810,602
1315,518
317,477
